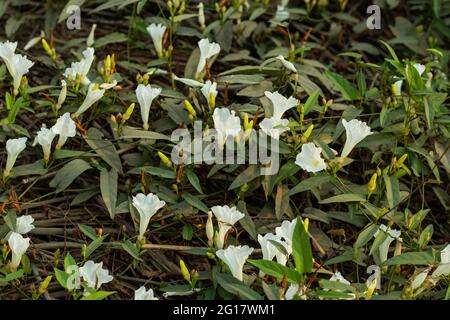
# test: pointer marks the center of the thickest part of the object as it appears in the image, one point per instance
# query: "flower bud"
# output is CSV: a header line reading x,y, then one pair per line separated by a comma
x,y
185,271
165,160
210,229
372,183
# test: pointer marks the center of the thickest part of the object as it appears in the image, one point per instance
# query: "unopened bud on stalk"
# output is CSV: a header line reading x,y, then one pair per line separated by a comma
x,y
372,183
90,39
129,112
308,131
201,16
190,108
62,95
185,271
210,229
165,160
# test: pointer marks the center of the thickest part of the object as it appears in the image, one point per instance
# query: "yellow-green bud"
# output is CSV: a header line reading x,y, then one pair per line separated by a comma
x,y
190,108
185,271
164,159
372,183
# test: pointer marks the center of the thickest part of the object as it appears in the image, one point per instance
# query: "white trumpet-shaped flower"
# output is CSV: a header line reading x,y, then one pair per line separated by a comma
x,y
226,125
310,159
226,218
419,67
24,224
287,64
93,95
286,232
392,234
280,104
94,275
234,258
64,127
156,32
355,131
338,277
13,148
19,246
444,267
45,138
147,206
145,96
17,65
143,294
397,87
209,90
81,68
269,250
274,127
207,50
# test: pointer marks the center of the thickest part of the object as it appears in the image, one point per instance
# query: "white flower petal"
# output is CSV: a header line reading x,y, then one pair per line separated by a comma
x,y
147,206
234,258
356,131
310,159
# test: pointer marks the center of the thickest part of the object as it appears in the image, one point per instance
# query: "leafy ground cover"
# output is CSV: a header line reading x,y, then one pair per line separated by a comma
x,y
94,204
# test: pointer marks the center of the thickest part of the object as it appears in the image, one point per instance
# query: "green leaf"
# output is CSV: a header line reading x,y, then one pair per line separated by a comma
x,y
277,270
347,90
309,184
67,174
62,277
133,133
104,148
411,258
195,202
187,232
365,236
108,188
69,261
311,101
301,249
392,190
11,276
94,245
131,249
347,197
99,295
236,287
193,179
114,37
156,171
88,231
391,51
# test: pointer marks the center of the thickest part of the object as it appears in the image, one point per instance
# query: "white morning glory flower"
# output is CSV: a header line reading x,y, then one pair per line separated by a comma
x,y
226,218
309,158
143,294
45,138
209,90
274,127
234,258
226,124
397,87
147,206
444,267
94,94
24,224
338,277
419,279
64,127
207,50
269,250
281,14
13,148
17,65
145,96
392,234
355,131
287,64
419,67
291,291
280,104
94,274
156,32
19,246
286,232
81,68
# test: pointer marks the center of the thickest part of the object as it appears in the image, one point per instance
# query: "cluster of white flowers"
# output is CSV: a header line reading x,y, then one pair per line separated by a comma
x,y
17,65
17,242
310,158
65,127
